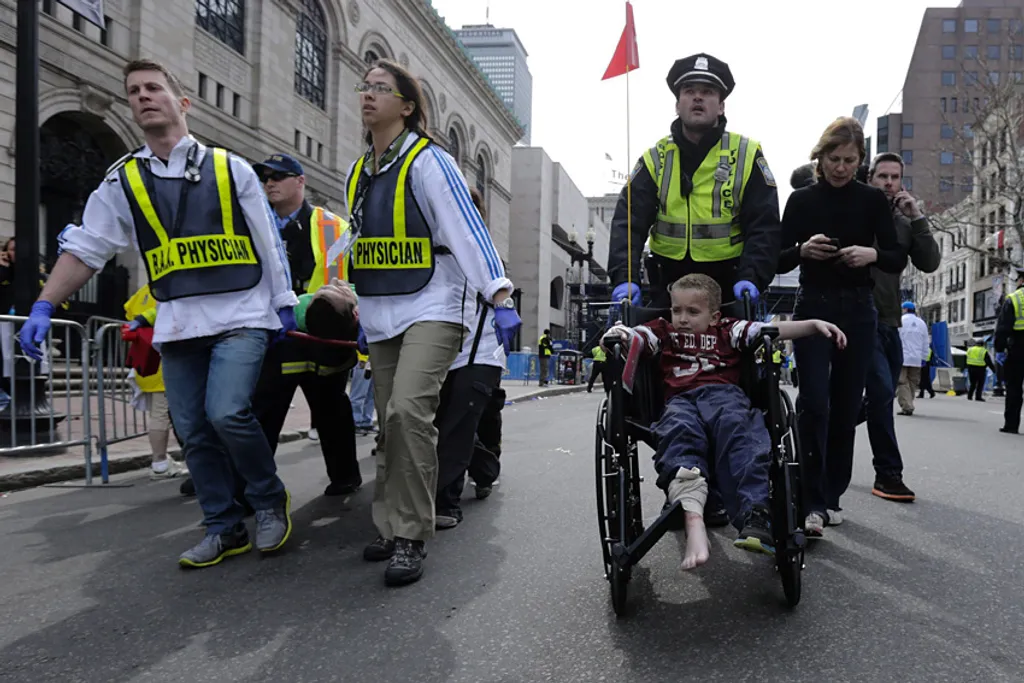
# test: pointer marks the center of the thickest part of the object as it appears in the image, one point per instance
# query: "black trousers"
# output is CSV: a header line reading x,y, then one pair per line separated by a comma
x,y
465,395
330,409
598,368
485,466
976,381
1013,375
926,381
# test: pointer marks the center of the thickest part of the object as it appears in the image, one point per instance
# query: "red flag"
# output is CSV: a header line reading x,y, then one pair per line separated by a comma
x,y
627,56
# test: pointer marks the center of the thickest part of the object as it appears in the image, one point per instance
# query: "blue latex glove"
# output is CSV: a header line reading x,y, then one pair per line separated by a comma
x,y
1001,358
623,291
361,343
506,324
33,332
745,286
288,324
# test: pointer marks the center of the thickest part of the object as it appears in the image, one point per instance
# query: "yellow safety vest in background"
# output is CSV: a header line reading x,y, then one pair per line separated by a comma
x,y
325,229
599,355
706,222
976,356
142,303
1018,310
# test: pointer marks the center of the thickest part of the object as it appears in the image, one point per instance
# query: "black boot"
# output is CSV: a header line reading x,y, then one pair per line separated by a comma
x,y
406,565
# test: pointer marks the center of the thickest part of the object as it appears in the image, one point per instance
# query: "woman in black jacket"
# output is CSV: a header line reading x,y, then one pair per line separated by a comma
x,y
835,230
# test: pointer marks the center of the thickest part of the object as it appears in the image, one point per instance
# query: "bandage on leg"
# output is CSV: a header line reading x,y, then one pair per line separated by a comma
x,y
691,489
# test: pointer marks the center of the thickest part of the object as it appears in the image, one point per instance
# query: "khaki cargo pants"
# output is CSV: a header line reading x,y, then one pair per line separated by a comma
x,y
408,372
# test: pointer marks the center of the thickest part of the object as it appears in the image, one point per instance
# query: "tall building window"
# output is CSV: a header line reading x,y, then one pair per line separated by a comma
x,y
994,52
1016,52
970,51
948,78
949,25
908,130
993,77
946,184
945,158
1016,27
202,85
371,57
224,20
971,78
908,183
949,51
311,53
454,145
952,105
908,157
942,104
48,7
993,26
946,132
481,175
970,25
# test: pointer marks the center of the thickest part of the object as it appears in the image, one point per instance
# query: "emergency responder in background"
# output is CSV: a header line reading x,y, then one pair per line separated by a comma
x,y
978,363
913,333
360,393
1009,346
309,234
704,194
412,269
926,375
777,362
914,234
215,264
598,368
544,351
465,394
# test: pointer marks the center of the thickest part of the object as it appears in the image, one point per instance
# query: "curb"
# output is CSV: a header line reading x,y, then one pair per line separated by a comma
x,y
55,475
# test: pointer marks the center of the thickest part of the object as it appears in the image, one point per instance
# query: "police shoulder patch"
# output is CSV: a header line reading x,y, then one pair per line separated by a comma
x,y
636,169
766,172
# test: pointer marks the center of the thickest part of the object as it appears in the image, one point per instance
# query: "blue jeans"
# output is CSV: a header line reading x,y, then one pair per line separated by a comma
x,y
361,395
883,376
832,389
717,423
210,382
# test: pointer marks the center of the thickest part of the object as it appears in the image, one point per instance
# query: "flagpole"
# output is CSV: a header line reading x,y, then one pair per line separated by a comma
x,y
629,202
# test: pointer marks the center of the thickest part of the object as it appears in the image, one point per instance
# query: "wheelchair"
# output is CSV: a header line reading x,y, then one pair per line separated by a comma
x,y
625,419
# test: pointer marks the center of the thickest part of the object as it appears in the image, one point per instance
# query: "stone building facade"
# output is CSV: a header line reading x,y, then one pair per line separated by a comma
x,y
263,75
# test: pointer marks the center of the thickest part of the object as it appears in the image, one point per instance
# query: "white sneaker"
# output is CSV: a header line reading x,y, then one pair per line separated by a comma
x,y
814,525
835,518
313,434
164,469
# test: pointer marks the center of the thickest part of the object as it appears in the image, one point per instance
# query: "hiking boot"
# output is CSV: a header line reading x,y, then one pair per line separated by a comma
x,y
274,526
756,535
379,550
406,565
892,488
215,547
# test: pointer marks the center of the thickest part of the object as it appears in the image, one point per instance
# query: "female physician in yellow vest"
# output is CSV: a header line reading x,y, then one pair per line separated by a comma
x,y
704,195
422,247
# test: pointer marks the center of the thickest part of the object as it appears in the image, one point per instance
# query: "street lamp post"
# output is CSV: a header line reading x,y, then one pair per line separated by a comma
x,y
583,258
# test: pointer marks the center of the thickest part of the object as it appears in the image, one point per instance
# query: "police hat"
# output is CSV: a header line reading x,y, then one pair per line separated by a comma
x,y
282,163
701,68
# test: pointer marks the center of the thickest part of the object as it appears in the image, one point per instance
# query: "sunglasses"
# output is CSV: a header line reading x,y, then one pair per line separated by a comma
x,y
276,176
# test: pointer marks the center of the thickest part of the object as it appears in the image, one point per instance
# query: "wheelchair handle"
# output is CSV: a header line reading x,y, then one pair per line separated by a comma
x,y
748,306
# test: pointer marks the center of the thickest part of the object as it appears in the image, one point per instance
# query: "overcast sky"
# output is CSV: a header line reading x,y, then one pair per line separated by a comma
x,y
798,64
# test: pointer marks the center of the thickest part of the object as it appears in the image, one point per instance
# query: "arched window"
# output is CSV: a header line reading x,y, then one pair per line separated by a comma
x,y
371,57
224,20
481,175
454,145
311,53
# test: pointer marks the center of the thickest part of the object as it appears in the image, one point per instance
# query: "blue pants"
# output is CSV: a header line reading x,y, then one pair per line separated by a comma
x,y
361,395
880,389
832,389
719,420
210,382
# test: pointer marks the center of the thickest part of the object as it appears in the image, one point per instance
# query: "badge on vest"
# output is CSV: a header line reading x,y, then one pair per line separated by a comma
x,y
722,172
769,179
389,253
203,251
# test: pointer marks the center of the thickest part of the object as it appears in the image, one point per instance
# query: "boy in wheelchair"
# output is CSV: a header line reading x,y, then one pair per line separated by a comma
x,y
708,414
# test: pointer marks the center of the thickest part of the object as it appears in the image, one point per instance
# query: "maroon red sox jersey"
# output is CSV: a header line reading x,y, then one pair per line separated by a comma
x,y
690,361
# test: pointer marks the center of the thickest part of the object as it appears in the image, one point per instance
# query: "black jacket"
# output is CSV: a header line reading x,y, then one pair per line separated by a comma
x,y
759,217
1006,339
299,248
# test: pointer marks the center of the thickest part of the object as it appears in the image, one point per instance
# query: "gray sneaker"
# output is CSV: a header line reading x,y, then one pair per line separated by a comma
x,y
274,526
215,547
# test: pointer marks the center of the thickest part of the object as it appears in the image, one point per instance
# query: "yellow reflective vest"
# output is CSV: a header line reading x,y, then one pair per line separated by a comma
x,y
976,356
142,303
599,355
705,223
325,230
1018,310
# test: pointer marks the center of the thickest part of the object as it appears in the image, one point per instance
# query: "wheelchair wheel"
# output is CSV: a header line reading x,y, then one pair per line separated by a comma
x,y
619,514
787,520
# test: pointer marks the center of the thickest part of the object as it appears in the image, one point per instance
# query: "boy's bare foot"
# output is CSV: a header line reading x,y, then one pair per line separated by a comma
x,y
697,546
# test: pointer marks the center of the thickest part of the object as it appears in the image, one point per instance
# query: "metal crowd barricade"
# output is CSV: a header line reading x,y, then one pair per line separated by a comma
x,y
117,418
41,409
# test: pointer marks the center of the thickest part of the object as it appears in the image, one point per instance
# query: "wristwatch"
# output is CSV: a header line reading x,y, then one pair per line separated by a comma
x,y
509,302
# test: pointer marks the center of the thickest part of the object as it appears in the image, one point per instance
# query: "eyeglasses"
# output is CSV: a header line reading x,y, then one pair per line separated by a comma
x,y
378,89
276,176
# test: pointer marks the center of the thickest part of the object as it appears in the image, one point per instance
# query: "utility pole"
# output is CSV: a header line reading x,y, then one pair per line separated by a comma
x,y
26,159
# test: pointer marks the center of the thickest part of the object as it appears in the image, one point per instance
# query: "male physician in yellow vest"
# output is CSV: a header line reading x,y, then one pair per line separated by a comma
x,y
704,195
215,263
1009,346
314,239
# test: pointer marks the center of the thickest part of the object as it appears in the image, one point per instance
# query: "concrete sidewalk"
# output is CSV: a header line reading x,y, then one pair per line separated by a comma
x,y
26,472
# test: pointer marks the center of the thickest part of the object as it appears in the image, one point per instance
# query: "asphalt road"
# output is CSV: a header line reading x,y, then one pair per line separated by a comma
x,y
934,591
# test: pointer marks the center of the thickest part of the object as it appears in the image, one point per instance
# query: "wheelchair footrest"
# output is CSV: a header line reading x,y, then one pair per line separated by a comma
x,y
672,518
